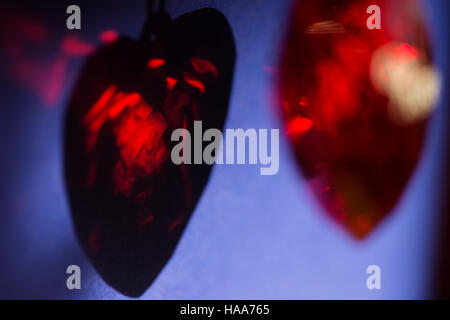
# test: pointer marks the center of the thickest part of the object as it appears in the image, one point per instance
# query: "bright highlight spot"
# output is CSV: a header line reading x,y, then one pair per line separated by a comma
x,y
156,63
412,86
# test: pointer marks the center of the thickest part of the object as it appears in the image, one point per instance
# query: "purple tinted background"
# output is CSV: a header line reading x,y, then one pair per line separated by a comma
x,y
251,236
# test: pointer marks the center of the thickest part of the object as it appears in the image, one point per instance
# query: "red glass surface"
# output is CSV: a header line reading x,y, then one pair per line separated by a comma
x,y
356,102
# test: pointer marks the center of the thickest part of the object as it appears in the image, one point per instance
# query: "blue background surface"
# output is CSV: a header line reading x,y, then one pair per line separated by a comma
x,y
251,236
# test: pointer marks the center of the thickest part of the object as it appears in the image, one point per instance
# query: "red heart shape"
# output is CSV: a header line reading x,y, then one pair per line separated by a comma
x,y
356,102
130,203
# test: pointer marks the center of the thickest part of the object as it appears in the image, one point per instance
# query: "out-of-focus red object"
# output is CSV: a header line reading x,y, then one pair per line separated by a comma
x,y
356,103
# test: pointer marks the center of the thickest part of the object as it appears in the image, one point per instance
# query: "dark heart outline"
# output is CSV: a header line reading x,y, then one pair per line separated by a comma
x,y
131,261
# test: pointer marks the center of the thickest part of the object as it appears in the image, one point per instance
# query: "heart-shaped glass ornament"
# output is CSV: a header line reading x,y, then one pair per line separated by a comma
x,y
130,203
357,87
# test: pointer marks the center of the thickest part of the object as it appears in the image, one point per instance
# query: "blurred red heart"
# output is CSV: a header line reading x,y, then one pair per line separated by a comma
x,y
130,203
356,102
